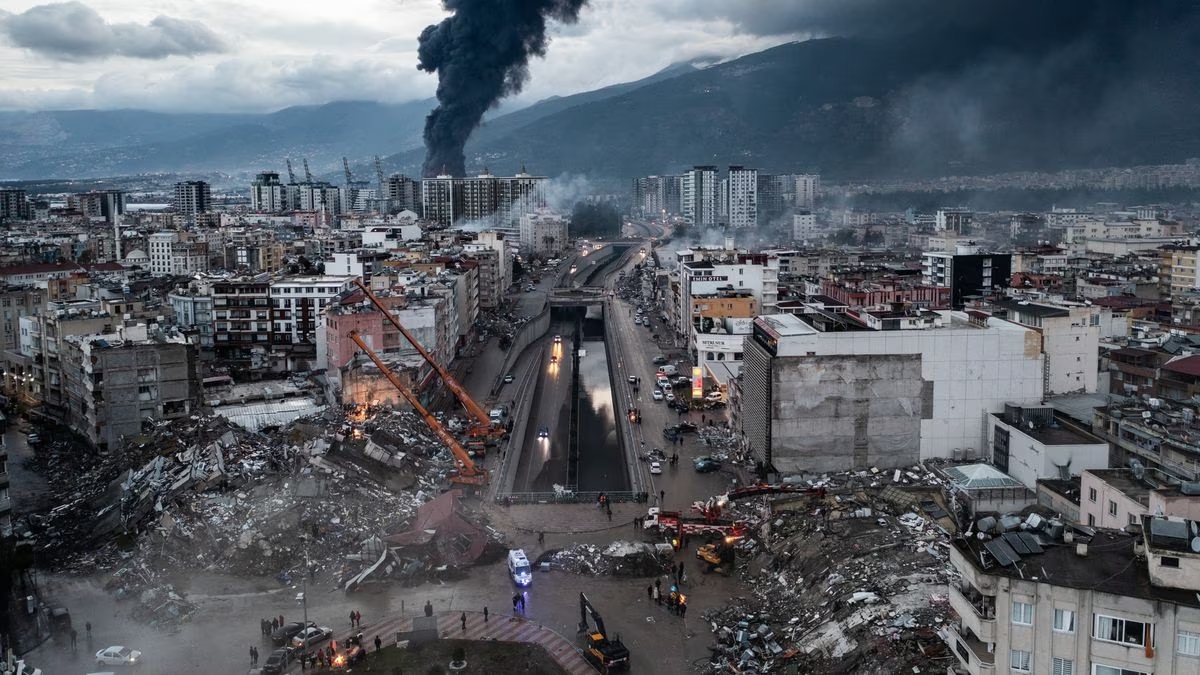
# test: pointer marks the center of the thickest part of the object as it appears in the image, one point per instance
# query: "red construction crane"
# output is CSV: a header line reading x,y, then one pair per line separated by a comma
x,y
468,473
481,425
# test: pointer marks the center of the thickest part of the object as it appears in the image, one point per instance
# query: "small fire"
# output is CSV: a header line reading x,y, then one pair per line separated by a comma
x,y
339,660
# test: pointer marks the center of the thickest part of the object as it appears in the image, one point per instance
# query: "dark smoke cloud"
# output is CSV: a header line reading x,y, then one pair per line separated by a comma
x,y
481,54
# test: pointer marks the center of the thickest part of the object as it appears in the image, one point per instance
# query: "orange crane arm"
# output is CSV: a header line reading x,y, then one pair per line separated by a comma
x,y
464,397
468,472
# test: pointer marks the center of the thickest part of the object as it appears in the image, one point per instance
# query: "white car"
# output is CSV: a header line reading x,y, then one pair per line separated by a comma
x,y
670,396
656,395
311,636
655,468
118,656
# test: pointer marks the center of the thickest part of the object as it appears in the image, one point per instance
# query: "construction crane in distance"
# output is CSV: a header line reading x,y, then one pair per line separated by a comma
x,y
307,173
346,168
468,473
291,174
482,425
379,174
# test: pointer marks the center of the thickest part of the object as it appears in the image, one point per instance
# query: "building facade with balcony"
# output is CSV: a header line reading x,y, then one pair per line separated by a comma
x,y
1059,601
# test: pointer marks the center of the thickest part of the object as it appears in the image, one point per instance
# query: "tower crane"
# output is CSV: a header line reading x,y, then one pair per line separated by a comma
x,y
468,473
346,168
307,173
482,425
291,174
379,174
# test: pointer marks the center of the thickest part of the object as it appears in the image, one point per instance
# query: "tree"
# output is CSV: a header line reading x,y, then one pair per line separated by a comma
x,y
845,237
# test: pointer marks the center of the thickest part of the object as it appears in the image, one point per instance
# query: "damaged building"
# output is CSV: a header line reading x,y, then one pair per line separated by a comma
x,y
887,391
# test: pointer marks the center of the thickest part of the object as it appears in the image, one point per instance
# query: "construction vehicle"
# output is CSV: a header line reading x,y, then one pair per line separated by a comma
x,y
719,555
468,473
605,655
678,525
482,426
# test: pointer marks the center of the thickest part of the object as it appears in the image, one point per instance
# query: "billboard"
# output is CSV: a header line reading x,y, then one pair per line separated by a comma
x,y
697,382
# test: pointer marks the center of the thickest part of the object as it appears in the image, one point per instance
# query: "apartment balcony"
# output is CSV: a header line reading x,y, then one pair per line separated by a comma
x,y
973,655
978,612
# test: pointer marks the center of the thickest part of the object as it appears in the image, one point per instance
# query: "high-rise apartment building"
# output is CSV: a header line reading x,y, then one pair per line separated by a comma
x,y
967,274
742,196
108,205
956,220
14,205
267,193
401,193
805,196
497,202
698,196
192,197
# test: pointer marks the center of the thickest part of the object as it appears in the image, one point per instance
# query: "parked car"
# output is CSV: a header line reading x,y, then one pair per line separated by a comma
x,y
287,631
311,636
278,661
655,468
656,395
670,396
660,360
33,438
508,378
118,656
705,464
633,379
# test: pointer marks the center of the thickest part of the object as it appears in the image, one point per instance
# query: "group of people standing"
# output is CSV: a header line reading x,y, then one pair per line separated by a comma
x,y
675,599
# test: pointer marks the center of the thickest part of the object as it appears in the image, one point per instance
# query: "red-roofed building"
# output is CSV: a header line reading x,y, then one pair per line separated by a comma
x,y
1179,378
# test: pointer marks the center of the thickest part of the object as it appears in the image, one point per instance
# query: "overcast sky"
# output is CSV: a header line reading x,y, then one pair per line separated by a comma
x,y
238,56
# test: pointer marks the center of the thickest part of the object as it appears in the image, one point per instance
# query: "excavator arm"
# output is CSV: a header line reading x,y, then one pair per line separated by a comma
x,y
468,473
585,609
483,424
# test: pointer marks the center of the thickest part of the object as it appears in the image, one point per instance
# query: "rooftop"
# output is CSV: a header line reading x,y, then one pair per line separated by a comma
x,y
1125,481
1053,435
980,477
1033,309
1108,564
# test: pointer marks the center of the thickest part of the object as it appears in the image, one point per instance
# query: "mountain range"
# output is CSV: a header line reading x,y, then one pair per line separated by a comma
x,y
848,108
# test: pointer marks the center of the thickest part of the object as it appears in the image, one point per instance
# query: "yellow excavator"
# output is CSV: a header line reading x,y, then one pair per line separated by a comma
x,y
604,653
719,556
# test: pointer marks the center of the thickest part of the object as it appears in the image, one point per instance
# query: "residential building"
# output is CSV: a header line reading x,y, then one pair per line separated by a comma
x,y
968,274
850,397
656,197
543,233
401,193
1070,341
498,202
267,193
804,226
1030,443
1178,272
106,205
1120,498
242,323
955,220
495,267
727,286
1162,436
698,196
193,310
123,378
807,186
192,197
14,205
1054,599
742,197
297,315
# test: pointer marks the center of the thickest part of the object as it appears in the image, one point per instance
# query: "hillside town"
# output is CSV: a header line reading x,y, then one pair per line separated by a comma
x,y
952,441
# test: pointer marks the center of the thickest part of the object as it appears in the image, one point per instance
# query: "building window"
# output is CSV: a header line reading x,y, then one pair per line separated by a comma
x,y
1112,508
1133,519
1019,660
1100,669
1060,666
1022,613
1188,643
1064,620
1120,630
1092,494
1168,561
1091,520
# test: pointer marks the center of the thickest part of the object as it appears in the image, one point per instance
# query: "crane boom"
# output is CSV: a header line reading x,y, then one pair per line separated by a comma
x,y
482,421
307,173
291,173
467,471
346,168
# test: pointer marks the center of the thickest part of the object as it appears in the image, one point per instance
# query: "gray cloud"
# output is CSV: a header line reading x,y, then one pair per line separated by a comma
x,y
72,31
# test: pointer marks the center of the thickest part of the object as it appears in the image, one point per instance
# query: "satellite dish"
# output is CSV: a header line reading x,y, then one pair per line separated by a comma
x,y
1195,544
1195,528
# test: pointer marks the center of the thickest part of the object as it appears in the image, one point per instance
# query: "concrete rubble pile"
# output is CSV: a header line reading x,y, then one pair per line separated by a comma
x,y
202,493
852,582
620,558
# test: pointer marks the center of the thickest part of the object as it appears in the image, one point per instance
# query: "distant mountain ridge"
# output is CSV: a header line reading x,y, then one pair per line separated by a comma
x,y
904,106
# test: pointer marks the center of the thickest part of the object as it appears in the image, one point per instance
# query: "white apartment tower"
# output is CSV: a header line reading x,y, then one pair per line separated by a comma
x,y
192,197
806,190
742,206
267,193
699,196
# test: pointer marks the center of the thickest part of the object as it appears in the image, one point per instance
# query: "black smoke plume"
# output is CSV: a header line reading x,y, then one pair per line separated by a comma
x,y
480,54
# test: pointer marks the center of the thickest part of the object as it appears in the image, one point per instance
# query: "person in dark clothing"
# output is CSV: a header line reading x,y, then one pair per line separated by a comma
x,y
541,538
428,608
352,618
378,643
516,600
682,609
74,634
662,497
485,613
463,618
88,626
649,592
274,624
608,510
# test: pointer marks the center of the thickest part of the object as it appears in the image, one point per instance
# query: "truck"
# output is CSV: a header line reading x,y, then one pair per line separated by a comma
x,y
604,653
678,525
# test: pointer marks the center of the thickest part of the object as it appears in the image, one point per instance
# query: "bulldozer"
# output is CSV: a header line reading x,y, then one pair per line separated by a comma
x,y
604,653
719,556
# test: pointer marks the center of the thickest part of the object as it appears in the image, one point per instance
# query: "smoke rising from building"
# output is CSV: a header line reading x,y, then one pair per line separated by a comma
x,y
480,54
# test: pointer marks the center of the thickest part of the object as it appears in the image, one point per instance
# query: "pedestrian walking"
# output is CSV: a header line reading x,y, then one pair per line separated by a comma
x,y
463,619
428,608
88,626
358,618
658,582
274,624
280,620
516,599
378,643
541,538
649,592
485,613
74,634
683,609
657,596
662,497
608,510
352,618
635,521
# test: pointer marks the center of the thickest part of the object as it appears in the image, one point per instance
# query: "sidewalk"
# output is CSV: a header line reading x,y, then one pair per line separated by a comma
x,y
501,626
